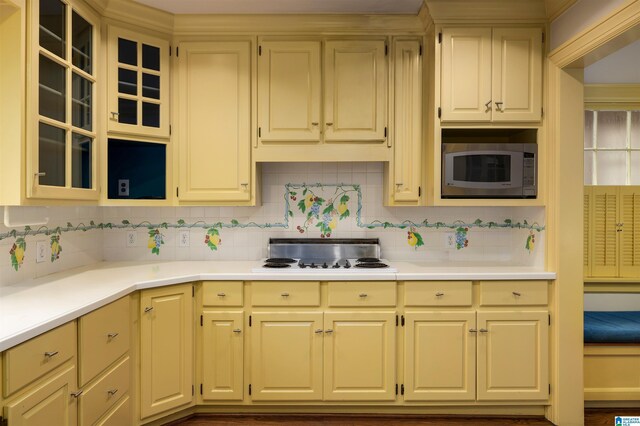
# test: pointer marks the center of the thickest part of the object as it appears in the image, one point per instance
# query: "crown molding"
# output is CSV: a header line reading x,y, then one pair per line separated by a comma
x,y
556,8
612,95
136,14
489,11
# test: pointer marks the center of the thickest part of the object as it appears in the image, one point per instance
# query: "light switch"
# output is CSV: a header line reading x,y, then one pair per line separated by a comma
x,y
183,238
132,238
41,251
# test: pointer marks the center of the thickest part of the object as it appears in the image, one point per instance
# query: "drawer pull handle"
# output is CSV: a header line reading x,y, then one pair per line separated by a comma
x,y
284,294
237,331
319,331
473,330
50,354
112,392
328,331
329,124
499,106
517,294
439,294
362,295
483,330
77,394
148,309
221,294
487,106
112,335
314,123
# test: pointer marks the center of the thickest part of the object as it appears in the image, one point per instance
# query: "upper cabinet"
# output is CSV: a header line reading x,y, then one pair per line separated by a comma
x,y
314,92
491,74
138,84
61,119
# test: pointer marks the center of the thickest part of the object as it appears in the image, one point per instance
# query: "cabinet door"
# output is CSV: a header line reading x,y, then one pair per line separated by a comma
x,y
604,238
629,214
513,356
48,403
359,356
517,74
355,91
215,120
138,84
222,356
440,356
166,348
289,91
466,74
286,356
407,123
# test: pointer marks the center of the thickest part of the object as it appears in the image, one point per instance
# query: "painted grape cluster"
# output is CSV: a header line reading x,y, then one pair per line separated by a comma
x,y
461,237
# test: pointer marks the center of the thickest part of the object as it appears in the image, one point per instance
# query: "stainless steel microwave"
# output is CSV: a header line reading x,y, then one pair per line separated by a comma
x,y
489,170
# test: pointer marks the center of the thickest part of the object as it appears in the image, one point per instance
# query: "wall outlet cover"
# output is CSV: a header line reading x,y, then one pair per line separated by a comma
x,y
450,240
41,251
183,238
123,187
132,238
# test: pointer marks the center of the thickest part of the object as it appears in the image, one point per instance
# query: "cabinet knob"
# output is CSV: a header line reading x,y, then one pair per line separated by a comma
x,y
328,331
319,331
499,106
112,336
50,354
285,294
516,293
148,309
440,294
237,331
487,106
221,294
77,394
362,295
112,392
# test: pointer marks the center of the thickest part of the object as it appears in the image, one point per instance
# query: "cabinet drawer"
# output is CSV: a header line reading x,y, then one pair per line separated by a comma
x,y
104,337
119,415
38,356
285,293
222,293
365,293
98,398
513,293
437,293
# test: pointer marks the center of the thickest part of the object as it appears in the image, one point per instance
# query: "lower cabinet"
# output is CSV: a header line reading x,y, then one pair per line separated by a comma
x,y
166,348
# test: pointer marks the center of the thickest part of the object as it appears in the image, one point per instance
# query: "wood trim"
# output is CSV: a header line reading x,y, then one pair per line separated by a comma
x,y
603,287
600,39
487,11
425,16
555,8
605,96
137,15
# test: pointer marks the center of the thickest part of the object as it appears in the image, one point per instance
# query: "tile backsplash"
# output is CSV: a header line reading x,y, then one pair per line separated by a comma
x,y
327,200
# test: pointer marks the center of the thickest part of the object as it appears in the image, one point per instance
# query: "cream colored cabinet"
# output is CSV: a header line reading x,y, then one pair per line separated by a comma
x,y
491,74
440,356
166,348
138,84
215,110
612,231
404,173
513,349
359,356
289,90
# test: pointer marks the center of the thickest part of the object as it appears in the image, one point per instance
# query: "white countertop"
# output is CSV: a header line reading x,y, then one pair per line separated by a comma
x,y
33,307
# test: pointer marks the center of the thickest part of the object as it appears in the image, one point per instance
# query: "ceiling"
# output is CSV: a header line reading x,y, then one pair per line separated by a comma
x,y
286,6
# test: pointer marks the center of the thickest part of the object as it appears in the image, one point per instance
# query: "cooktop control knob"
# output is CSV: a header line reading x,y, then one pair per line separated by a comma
x,y
347,264
336,265
324,265
313,265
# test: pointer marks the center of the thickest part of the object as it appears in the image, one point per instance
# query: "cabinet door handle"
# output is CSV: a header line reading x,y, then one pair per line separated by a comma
x,y
487,106
77,394
221,294
329,124
50,354
244,185
148,309
483,330
499,106
112,335
319,331
115,115
473,330
516,293
314,123
328,331
237,331
112,392
440,294
362,295
399,184
285,294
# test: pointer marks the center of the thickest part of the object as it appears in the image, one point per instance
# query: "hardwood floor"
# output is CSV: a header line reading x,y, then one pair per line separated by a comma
x,y
593,417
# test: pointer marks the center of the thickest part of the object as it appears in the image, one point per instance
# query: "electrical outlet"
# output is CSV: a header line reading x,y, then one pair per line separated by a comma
x,y
41,251
450,240
132,238
123,187
183,238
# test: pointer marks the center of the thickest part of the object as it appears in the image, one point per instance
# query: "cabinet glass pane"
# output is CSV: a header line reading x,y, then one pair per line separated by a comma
x,y
127,111
611,167
51,155
127,81
52,26
81,43
150,115
127,51
588,129
612,129
588,167
151,86
635,168
52,89
81,148
635,129
150,57
82,101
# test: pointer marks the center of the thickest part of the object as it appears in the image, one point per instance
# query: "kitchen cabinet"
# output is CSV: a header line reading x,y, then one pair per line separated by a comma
x,y
215,110
612,231
491,74
404,173
166,348
137,84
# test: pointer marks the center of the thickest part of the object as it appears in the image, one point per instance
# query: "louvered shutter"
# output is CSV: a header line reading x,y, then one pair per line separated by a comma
x,y
630,235
587,226
604,255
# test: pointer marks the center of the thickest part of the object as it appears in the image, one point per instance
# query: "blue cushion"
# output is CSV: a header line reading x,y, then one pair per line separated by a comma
x,y
612,327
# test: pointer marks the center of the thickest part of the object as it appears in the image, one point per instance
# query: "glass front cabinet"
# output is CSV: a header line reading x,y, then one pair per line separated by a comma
x,y
62,130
